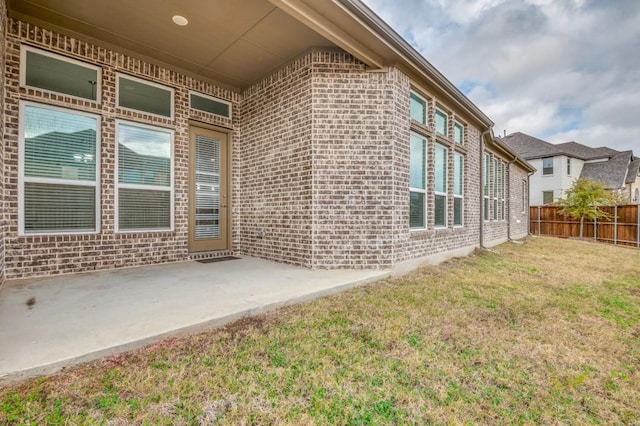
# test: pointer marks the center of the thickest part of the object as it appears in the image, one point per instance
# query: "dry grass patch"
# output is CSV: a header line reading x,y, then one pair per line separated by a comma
x,y
545,332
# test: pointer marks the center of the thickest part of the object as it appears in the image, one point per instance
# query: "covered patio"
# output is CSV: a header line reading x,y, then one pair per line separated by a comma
x,y
49,323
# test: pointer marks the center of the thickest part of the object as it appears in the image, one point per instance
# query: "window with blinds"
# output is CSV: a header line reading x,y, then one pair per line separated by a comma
x,y
440,201
458,189
145,182
58,170
417,177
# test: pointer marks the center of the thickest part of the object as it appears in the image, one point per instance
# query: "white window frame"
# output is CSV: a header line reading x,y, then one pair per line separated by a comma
x,y
459,196
552,166
486,188
457,124
426,107
23,72
568,166
421,190
22,179
446,182
503,188
495,188
547,192
211,98
119,185
149,83
446,122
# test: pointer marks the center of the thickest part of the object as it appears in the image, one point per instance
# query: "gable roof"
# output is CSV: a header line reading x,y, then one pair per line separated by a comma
x,y
583,152
529,147
532,148
634,170
612,172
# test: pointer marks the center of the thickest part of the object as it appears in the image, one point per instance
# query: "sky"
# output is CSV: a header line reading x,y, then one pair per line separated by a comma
x,y
559,70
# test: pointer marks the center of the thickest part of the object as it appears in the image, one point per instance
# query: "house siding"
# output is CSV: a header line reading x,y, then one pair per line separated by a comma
x,y
28,256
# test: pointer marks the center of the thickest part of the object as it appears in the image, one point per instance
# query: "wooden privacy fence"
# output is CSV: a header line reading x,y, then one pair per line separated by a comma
x,y
622,228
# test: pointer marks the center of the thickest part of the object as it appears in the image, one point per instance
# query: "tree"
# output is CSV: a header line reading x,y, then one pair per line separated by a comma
x,y
584,201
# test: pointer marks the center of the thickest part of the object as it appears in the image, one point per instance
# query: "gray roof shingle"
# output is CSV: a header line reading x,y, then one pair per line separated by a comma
x,y
529,147
634,170
612,172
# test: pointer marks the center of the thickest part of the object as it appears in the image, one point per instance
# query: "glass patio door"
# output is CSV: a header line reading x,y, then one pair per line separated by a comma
x,y
208,202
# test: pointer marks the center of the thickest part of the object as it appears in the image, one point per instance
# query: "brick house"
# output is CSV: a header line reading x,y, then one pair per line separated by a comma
x,y
300,131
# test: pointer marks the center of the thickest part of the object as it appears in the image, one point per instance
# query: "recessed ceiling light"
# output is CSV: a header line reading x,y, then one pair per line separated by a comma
x,y
180,20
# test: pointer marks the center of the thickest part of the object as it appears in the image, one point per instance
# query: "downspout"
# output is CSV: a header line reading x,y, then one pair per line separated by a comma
x,y
481,180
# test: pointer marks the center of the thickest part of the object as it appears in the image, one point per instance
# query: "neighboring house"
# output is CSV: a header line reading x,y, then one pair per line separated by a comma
x,y
557,166
305,132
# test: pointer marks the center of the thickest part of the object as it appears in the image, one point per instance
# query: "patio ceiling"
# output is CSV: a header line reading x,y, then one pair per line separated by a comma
x,y
231,42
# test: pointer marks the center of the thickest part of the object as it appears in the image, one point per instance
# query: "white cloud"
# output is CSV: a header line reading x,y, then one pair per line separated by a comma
x,y
557,69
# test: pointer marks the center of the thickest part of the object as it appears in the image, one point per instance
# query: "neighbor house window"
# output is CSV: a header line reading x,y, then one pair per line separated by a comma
x,y
458,189
495,189
417,187
547,197
485,185
145,181
503,191
141,95
547,166
418,106
636,197
58,170
440,186
568,166
55,73
441,122
458,133
209,104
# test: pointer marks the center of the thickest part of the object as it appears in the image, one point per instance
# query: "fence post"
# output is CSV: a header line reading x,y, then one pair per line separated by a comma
x,y
595,229
538,220
638,226
615,225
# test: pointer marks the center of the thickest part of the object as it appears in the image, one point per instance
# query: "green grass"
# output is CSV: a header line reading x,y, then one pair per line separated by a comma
x,y
547,332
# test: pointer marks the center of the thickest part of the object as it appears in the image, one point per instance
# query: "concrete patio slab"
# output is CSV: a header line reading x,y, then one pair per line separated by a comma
x,y
49,323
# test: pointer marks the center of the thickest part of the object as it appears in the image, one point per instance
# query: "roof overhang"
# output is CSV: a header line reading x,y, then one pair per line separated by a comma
x,y
236,43
496,145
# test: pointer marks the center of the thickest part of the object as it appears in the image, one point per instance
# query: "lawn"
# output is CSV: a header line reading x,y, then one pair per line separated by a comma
x,y
545,332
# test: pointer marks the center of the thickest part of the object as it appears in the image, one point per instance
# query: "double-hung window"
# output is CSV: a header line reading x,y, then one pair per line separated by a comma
x,y
145,178
485,185
440,186
418,107
568,166
458,189
58,177
417,176
547,166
